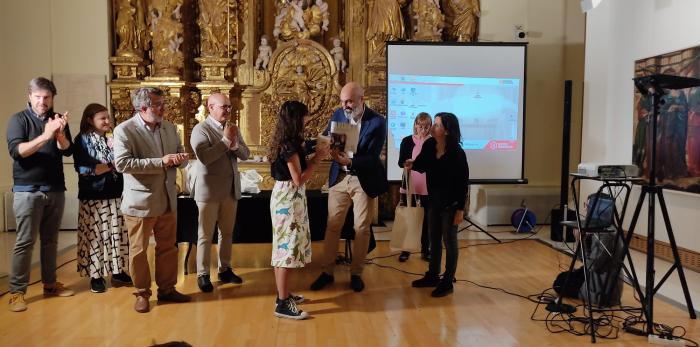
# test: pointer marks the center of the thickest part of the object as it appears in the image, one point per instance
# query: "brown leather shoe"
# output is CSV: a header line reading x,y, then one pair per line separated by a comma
x,y
57,289
172,295
142,305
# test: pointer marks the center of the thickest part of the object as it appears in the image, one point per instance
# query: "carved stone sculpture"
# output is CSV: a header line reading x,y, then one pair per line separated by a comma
x,y
384,23
300,70
166,33
428,20
322,8
125,27
264,54
338,54
463,20
213,26
295,19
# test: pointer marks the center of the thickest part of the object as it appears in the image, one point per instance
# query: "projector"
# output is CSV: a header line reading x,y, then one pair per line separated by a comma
x,y
608,170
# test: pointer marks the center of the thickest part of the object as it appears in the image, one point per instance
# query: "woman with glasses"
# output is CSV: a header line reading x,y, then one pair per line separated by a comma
x,y
103,243
410,147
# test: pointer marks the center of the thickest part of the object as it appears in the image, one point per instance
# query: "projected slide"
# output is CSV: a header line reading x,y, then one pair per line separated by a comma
x,y
482,84
487,108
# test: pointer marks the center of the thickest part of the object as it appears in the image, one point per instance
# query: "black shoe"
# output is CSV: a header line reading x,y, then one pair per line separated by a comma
x,y
442,289
429,280
98,285
425,256
356,283
323,280
229,277
121,279
173,295
404,256
298,299
287,308
204,283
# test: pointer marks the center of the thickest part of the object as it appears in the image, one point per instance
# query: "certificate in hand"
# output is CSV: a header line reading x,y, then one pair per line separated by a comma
x,y
344,136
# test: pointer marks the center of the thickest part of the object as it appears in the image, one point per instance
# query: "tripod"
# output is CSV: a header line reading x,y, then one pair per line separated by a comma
x,y
654,86
471,223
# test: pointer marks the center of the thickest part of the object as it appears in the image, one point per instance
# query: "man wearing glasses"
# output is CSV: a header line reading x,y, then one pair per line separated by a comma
x,y
217,187
147,150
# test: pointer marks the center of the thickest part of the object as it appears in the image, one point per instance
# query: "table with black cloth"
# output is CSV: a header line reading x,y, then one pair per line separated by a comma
x,y
253,220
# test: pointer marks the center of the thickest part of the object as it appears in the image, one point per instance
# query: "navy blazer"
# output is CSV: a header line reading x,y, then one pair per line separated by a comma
x,y
365,162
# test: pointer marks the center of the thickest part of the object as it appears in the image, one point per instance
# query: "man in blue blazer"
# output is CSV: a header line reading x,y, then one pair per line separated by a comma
x,y
355,178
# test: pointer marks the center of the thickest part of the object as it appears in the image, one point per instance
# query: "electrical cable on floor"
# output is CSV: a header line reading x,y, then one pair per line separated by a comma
x,y
607,325
39,280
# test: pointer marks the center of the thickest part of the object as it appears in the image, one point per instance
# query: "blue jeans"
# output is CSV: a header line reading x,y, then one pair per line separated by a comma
x,y
36,214
442,230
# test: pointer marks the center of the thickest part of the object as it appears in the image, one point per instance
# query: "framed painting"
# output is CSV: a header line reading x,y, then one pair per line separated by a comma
x,y
677,125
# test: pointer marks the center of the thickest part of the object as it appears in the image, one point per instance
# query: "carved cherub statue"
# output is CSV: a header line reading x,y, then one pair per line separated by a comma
x,y
298,16
323,7
264,54
338,54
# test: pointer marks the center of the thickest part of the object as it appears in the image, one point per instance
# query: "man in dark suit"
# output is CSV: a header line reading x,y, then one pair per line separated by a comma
x,y
355,178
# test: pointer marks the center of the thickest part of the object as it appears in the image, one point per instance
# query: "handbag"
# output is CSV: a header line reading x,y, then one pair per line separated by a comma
x,y
408,222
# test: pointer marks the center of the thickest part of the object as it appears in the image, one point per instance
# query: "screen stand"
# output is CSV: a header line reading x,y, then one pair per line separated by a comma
x,y
471,223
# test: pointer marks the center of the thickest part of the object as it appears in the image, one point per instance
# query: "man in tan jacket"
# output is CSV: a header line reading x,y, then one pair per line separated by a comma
x,y
217,187
147,150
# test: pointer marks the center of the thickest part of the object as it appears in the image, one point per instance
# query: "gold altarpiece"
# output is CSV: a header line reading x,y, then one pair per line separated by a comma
x,y
193,48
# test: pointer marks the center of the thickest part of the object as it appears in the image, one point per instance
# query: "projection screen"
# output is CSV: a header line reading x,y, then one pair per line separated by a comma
x,y
483,84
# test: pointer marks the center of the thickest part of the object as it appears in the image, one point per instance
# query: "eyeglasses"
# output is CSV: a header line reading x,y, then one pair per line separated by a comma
x,y
157,105
224,107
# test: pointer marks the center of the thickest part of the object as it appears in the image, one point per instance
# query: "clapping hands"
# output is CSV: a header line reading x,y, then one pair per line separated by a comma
x,y
170,160
231,133
55,126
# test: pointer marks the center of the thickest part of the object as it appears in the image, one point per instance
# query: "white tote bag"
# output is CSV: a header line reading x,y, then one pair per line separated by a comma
x,y
408,222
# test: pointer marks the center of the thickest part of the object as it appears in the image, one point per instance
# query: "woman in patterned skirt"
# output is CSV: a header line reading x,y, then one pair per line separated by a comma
x,y
291,237
103,243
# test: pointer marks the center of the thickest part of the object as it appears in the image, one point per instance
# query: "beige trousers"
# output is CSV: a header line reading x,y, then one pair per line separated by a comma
x,y
209,213
340,196
164,229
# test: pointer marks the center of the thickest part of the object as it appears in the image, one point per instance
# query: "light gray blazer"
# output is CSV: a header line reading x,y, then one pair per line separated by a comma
x,y
216,168
148,185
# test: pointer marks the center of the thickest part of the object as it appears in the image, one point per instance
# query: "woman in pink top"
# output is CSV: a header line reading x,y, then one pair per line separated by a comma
x,y
410,148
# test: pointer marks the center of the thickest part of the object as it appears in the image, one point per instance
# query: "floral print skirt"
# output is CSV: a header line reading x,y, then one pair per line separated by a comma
x,y
291,236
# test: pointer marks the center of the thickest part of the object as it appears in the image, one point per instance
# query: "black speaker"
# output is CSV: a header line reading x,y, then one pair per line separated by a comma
x,y
556,234
556,227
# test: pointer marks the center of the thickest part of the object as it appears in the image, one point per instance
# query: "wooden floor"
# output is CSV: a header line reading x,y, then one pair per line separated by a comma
x,y
388,313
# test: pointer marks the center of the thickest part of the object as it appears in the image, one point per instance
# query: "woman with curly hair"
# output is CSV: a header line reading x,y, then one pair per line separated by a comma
x,y
291,236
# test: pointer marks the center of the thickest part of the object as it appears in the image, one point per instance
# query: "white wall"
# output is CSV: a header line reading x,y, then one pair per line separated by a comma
x,y
47,38
618,32
555,33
